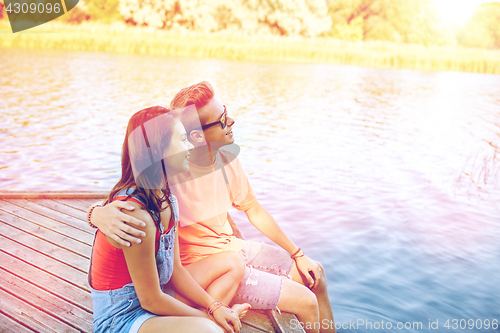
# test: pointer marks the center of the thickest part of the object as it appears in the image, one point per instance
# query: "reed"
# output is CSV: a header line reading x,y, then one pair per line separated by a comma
x,y
120,38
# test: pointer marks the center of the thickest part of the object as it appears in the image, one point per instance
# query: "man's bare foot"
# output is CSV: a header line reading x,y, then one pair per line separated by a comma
x,y
241,309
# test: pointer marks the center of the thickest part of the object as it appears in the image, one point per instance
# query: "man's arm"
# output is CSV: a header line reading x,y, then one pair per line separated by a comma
x,y
266,224
117,225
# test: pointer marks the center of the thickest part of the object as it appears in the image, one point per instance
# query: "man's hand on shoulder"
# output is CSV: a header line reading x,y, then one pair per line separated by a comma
x,y
118,225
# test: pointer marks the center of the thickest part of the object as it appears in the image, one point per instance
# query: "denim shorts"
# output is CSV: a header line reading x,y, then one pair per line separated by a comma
x,y
119,310
266,268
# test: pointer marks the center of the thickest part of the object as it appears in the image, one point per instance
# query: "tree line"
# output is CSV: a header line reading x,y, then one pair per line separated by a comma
x,y
412,21
407,21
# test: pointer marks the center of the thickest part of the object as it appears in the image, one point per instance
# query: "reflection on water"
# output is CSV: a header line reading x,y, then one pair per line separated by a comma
x,y
379,174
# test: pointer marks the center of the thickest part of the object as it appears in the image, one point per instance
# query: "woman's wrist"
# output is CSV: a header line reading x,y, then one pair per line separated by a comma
x,y
206,301
89,214
214,306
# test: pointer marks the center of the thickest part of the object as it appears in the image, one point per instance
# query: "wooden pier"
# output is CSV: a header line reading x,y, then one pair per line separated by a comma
x,y
45,246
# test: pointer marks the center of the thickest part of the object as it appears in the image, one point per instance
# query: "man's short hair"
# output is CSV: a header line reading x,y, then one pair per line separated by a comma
x,y
198,94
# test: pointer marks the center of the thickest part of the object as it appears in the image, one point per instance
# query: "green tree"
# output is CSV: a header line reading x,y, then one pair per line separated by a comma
x,y
376,28
94,10
347,19
166,14
482,30
407,21
76,15
289,17
103,10
283,17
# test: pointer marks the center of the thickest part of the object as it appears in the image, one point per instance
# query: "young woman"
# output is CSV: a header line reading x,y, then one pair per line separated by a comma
x,y
131,286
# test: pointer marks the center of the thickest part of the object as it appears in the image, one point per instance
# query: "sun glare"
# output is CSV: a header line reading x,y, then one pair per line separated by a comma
x,y
457,11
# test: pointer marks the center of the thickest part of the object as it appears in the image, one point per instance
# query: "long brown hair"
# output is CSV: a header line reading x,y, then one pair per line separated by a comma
x,y
149,132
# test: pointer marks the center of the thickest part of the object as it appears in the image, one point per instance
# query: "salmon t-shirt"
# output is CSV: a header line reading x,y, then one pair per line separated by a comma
x,y
204,198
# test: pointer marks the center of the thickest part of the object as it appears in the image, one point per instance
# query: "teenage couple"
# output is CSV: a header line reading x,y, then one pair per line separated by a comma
x,y
165,247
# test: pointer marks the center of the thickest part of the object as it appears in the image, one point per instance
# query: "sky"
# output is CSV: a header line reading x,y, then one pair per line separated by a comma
x,y
457,11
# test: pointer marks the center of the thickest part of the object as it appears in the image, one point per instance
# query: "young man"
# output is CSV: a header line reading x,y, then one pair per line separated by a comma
x,y
273,278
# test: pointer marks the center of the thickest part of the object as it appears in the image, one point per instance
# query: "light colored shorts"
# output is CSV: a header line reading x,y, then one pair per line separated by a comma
x,y
266,268
119,310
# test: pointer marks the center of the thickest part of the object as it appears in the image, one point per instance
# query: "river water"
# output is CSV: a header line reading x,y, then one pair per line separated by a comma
x,y
388,177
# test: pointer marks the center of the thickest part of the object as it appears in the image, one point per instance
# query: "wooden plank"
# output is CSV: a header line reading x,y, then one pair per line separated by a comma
x,y
28,315
10,325
38,230
40,245
46,302
40,260
74,203
283,322
249,329
46,281
85,232
89,202
50,281
258,321
59,207
53,194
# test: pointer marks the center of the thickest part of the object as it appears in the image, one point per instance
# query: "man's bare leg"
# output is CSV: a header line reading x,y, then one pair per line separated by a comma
x,y
298,299
321,292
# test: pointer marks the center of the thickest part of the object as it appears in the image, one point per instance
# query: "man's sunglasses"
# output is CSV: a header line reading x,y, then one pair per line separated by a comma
x,y
222,121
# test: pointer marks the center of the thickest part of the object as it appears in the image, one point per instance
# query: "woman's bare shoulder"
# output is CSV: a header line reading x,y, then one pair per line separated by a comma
x,y
140,212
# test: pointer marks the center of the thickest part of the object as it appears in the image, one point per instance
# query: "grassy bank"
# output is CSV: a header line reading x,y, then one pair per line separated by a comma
x,y
125,39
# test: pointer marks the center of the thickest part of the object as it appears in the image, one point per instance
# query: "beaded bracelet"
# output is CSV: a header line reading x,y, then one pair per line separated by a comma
x,y
89,214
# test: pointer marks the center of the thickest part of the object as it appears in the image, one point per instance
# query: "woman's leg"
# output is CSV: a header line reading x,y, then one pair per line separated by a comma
x,y
180,325
219,274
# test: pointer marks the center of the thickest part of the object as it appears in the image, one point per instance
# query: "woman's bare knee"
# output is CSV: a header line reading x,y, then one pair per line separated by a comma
x,y
239,264
162,324
236,265
198,324
211,327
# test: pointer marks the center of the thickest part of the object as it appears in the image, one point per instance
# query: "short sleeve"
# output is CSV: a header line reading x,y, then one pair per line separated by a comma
x,y
243,197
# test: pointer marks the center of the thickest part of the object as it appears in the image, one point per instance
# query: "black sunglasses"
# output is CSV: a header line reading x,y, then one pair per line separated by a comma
x,y
222,121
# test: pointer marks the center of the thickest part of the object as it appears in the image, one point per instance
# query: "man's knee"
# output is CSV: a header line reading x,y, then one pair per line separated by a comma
x,y
322,283
310,301
302,295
